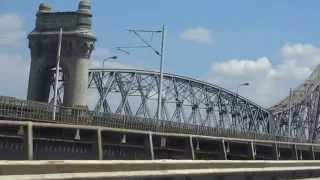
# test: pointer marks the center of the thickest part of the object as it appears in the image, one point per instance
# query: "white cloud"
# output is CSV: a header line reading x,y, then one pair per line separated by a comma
x,y
268,82
297,53
14,76
12,31
198,35
13,67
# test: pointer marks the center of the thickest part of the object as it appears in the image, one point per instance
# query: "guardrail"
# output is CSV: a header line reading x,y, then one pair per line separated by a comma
x,y
44,170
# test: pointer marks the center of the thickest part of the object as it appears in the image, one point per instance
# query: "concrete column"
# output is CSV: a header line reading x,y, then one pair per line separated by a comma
x,y
39,81
99,145
75,81
193,155
28,141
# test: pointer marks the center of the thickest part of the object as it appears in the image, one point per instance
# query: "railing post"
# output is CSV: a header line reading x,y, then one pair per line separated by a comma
x,y
151,145
192,148
99,145
28,140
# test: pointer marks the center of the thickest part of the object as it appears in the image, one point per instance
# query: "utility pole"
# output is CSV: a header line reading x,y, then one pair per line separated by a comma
x,y
161,73
57,77
290,113
146,44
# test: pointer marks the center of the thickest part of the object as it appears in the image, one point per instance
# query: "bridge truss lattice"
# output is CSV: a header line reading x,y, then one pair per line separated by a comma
x,y
298,114
186,100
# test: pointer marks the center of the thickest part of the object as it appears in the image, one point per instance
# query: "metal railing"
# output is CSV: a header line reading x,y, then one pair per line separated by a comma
x,y
15,109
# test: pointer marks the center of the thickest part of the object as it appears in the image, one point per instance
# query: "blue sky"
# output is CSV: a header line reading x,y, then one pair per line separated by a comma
x,y
275,42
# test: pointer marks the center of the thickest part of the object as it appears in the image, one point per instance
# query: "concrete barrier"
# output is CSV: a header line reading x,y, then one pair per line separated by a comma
x,y
26,170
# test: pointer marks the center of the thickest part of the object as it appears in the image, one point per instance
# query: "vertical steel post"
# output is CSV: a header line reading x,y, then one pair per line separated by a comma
x,y
57,77
151,146
295,151
161,73
290,113
224,151
276,151
192,148
99,145
28,141
253,151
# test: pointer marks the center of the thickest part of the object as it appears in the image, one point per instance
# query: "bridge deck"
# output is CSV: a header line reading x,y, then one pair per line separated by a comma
x,y
35,140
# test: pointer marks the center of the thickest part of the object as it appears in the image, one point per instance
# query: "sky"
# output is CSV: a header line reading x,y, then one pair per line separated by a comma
x,y
273,45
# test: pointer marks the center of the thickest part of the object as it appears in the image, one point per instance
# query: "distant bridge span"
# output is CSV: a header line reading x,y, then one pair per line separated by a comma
x,y
298,114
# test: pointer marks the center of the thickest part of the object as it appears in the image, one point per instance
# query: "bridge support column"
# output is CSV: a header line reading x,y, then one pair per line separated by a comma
x,y
224,150
150,146
312,153
295,152
252,151
276,154
193,155
99,145
28,141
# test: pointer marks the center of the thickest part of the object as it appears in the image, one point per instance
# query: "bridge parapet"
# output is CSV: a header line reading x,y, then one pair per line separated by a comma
x,y
158,169
15,109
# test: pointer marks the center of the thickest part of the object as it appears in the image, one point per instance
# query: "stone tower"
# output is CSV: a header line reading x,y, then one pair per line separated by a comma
x,y
77,44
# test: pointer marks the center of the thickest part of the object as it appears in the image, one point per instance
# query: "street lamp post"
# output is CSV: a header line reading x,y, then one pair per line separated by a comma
x,y
242,84
237,93
109,58
57,77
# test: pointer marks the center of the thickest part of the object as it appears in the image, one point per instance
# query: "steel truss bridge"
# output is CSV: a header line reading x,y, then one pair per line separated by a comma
x,y
199,121
185,100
